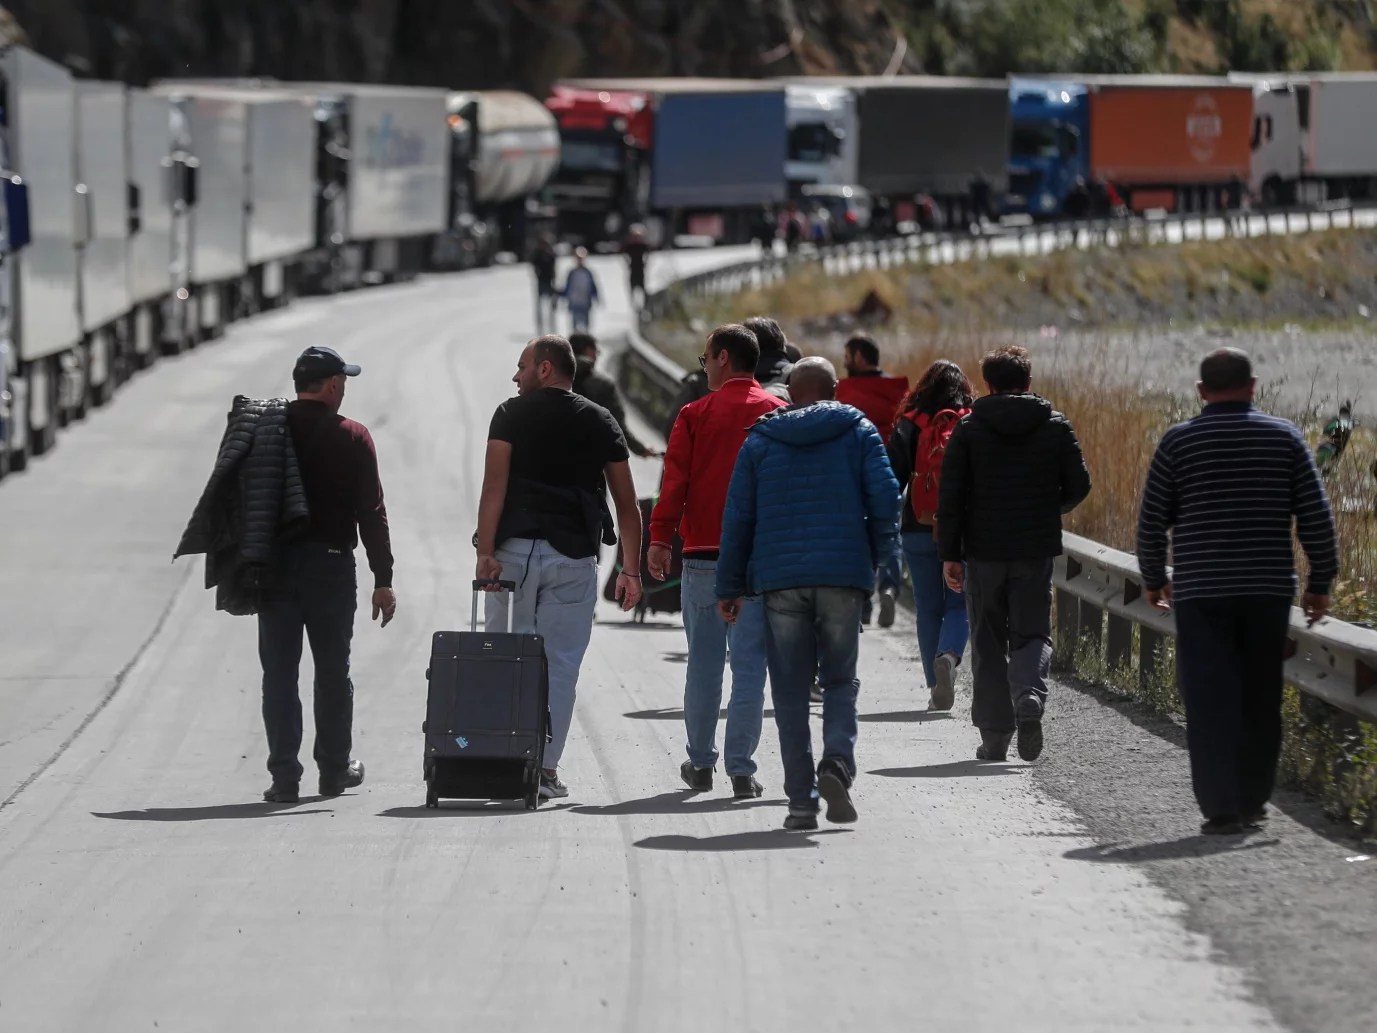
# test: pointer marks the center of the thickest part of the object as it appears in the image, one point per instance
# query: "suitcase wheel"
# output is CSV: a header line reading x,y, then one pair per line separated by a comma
x,y
533,801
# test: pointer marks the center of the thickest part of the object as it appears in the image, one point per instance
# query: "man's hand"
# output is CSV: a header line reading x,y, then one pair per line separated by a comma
x,y
651,453
384,603
730,609
954,574
1315,606
1160,598
657,561
628,590
488,569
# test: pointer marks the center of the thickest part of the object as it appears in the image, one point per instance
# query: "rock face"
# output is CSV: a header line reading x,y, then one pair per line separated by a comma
x,y
522,44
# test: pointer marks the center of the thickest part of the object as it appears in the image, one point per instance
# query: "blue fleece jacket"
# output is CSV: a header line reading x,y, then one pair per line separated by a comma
x,y
812,503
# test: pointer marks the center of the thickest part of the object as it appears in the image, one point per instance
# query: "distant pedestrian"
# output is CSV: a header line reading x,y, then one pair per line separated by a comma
x,y
812,510
543,263
941,399
698,467
600,388
1012,468
772,370
580,291
543,517
1230,484
875,393
635,247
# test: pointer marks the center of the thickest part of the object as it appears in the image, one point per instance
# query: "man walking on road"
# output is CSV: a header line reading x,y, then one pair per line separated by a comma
x,y
543,515
543,262
635,247
698,467
880,396
602,389
580,291
1011,469
314,589
813,473
1229,484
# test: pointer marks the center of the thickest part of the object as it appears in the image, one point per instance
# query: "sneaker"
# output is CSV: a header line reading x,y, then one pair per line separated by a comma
x,y
815,693
697,779
745,787
551,787
1228,825
337,784
993,746
1028,713
282,792
887,608
834,784
944,692
801,821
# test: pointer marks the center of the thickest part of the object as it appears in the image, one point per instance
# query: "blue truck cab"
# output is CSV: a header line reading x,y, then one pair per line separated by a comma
x,y
1049,147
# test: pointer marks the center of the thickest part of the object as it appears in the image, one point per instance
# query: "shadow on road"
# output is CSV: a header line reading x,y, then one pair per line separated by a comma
x,y
471,809
956,769
681,802
677,714
906,715
770,839
1170,850
676,657
217,812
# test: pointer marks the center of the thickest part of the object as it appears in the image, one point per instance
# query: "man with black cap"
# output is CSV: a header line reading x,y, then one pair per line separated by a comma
x,y
314,589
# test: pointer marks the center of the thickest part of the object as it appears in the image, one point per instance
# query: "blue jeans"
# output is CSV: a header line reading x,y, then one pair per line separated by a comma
x,y
812,630
708,639
889,575
943,625
555,598
580,316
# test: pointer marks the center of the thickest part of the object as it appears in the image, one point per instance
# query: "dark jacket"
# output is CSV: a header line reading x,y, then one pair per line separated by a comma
x,y
900,447
600,388
772,371
254,500
693,387
1012,468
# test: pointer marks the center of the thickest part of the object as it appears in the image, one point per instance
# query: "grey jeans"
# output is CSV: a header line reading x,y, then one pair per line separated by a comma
x,y
1010,609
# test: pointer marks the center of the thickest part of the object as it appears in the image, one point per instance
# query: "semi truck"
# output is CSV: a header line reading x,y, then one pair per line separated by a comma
x,y
1179,143
715,158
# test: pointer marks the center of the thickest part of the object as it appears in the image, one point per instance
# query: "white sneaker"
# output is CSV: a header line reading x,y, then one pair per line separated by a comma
x,y
944,692
551,787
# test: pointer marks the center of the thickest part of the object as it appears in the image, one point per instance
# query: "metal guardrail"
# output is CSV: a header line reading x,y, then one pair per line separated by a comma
x,y
995,242
1099,590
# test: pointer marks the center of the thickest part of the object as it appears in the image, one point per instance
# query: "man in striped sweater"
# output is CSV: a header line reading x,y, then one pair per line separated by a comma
x,y
1229,484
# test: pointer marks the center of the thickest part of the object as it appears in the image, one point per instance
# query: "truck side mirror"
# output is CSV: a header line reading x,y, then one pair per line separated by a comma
x,y
135,206
17,211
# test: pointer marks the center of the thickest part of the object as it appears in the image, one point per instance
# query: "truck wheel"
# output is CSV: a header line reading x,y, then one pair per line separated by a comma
x,y
41,441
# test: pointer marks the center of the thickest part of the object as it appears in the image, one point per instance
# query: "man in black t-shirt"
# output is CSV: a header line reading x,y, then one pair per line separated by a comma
x,y
543,516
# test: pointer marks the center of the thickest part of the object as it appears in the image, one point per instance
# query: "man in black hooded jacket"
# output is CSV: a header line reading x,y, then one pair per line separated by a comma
x,y
1011,469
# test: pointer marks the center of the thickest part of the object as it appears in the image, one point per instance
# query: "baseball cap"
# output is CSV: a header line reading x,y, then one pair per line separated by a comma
x,y
320,362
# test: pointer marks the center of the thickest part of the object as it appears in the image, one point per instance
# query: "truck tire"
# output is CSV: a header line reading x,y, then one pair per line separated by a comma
x,y
41,441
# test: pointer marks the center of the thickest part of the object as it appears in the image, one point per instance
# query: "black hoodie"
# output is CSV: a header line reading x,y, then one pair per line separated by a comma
x,y
1012,468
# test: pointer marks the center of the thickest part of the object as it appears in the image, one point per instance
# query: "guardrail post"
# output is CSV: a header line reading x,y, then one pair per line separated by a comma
x,y
1068,607
1149,648
1091,622
1119,647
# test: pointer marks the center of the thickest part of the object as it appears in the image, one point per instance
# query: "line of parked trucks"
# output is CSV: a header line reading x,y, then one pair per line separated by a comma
x,y
138,222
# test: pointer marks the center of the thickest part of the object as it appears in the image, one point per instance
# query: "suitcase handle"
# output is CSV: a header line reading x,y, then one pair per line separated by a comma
x,y
503,586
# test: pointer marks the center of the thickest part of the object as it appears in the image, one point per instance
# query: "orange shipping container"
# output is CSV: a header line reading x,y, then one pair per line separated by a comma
x,y
1170,134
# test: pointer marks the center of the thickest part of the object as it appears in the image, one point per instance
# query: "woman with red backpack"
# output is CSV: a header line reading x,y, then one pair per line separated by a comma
x,y
926,419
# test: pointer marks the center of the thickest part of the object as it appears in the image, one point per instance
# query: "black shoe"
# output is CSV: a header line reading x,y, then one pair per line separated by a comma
x,y
337,784
1228,825
802,822
1256,819
1028,713
697,779
994,746
282,792
834,785
745,787
887,608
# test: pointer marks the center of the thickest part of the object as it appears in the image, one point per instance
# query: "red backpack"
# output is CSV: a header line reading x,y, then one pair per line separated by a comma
x,y
933,434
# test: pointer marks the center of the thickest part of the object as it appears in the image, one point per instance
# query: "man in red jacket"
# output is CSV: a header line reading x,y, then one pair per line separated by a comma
x,y
880,397
698,469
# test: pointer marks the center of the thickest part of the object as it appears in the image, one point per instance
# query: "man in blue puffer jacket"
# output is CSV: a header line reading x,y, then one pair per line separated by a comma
x,y
812,510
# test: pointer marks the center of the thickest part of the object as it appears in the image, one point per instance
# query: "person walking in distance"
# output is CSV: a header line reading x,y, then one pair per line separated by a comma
x,y
580,291
602,389
547,297
815,472
543,515
698,467
879,396
635,247
314,590
1012,467
1229,485
941,399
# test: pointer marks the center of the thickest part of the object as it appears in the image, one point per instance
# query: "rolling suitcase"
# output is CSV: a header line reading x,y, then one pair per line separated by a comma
x,y
487,713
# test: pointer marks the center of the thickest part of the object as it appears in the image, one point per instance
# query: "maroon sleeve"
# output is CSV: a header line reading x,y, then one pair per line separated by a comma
x,y
371,512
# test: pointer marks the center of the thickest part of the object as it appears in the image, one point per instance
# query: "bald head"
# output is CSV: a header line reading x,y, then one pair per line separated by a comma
x,y
813,379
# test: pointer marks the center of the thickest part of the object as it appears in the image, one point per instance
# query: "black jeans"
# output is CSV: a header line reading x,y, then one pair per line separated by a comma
x,y
1010,609
314,590
1229,655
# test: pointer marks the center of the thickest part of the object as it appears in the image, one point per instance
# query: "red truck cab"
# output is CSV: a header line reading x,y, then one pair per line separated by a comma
x,y
603,181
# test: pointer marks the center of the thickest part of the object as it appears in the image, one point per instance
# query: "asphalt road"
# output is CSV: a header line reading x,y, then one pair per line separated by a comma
x,y
142,886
